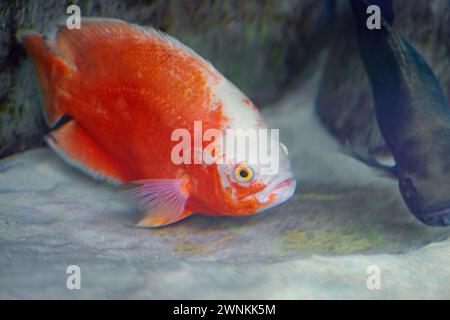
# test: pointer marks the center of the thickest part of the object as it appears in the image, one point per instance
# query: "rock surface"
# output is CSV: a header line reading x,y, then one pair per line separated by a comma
x,y
318,245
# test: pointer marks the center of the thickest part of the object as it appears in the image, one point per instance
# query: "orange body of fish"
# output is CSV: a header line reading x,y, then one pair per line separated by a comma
x,y
125,89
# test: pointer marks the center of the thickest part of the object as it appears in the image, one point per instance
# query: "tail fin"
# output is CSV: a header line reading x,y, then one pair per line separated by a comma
x,y
50,69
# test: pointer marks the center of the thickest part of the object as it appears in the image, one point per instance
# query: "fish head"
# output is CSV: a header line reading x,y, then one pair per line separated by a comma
x,y
248,187
427,196
278,181
252,175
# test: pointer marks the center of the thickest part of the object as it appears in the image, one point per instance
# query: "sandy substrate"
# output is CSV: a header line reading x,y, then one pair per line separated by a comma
x,y
343,219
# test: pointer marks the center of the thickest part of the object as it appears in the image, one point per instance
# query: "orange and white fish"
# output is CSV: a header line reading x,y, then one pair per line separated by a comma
x,y
125,89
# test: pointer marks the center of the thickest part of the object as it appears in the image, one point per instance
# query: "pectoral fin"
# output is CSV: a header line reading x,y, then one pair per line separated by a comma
x,y
367,159
164,201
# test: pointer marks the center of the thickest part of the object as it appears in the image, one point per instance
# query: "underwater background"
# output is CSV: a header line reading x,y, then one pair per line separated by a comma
x,y
299,62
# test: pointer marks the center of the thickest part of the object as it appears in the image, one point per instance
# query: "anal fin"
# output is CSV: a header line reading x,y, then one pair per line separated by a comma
x,y
79,149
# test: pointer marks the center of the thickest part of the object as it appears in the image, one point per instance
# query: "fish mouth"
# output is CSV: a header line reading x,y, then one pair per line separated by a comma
x,y
281,189
436,216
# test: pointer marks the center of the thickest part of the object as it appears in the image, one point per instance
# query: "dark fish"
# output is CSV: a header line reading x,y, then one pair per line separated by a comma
x,y
413,117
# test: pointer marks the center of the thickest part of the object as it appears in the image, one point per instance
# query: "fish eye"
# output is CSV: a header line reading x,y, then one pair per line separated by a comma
x,y
407,188
243,173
